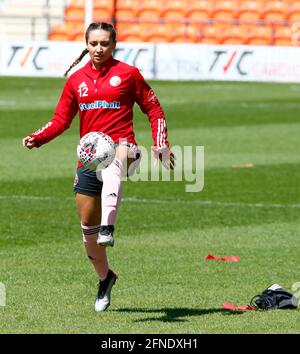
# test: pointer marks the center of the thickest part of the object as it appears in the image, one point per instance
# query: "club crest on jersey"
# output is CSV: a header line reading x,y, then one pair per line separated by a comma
x,y
82,89
115,81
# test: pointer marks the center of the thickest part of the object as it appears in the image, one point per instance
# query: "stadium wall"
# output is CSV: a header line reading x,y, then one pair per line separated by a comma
x,y
160,61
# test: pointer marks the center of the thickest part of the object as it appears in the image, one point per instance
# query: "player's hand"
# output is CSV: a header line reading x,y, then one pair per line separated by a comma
x,y
166,157
29,142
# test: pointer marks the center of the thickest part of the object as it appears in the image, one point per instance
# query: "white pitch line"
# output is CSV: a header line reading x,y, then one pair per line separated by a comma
x,y
211,202
27,197
163,201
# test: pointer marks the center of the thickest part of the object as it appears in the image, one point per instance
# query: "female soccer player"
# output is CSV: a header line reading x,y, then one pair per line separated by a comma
x,y
114,86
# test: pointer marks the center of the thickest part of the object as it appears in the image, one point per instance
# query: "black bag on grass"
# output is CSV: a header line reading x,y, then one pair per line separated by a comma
x,y
274,297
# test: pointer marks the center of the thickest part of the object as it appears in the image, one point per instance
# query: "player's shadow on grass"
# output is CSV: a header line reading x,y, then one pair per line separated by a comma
x,y
176,314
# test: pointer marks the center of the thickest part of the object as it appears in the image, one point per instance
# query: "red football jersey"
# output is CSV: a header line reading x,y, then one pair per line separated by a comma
x,y
104,99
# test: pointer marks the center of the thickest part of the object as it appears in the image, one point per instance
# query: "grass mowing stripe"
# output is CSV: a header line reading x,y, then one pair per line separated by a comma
x,y
157,201
261,145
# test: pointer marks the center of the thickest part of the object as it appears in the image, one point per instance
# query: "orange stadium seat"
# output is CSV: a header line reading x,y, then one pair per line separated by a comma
x,y
192,33
174,9
132,32
234,35
160,34
294,11
150,9
104,3
211,34
225,10
283,36
132,37
122,26
75,13
60,37
102,16
247,29
260,35
275,11
126,9
182,33
222,26
79,37
66,31
199,10
250,10
97,3
103,9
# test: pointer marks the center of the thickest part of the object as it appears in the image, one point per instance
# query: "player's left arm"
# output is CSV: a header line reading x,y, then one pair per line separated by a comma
x,y
150,105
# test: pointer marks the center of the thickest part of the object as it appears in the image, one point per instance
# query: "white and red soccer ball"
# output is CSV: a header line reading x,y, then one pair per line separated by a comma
x,y
96,150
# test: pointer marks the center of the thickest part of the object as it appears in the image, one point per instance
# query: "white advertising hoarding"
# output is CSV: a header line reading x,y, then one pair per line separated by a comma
x,y
160,61
37,58
232,63
53,58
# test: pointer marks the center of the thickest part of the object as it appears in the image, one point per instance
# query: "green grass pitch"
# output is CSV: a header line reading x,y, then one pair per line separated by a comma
x,y
163,233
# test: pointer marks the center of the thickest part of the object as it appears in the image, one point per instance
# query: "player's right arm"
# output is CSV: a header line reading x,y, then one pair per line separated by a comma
x,y
29,142
65,111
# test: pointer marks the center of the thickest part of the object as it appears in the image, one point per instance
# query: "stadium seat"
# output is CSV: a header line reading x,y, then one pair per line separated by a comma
x,y
150,9
174,10
192,33
250,10
74,13
199,10
78,37
132,37
225,10
66,31
234,35
126,9
294,11
132,32
260,35
102,16
74,18
60,37
160,34
247,29
275,11
283,36
103,9
211,34
109,4
182,33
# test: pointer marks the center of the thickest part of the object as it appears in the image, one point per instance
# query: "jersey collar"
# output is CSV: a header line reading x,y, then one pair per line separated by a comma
x,y
104,67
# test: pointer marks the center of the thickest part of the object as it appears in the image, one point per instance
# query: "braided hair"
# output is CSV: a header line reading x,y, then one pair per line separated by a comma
x,y
77,61
93,26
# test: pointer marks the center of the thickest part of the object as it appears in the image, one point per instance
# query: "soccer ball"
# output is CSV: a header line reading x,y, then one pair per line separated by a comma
x,y
96,150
